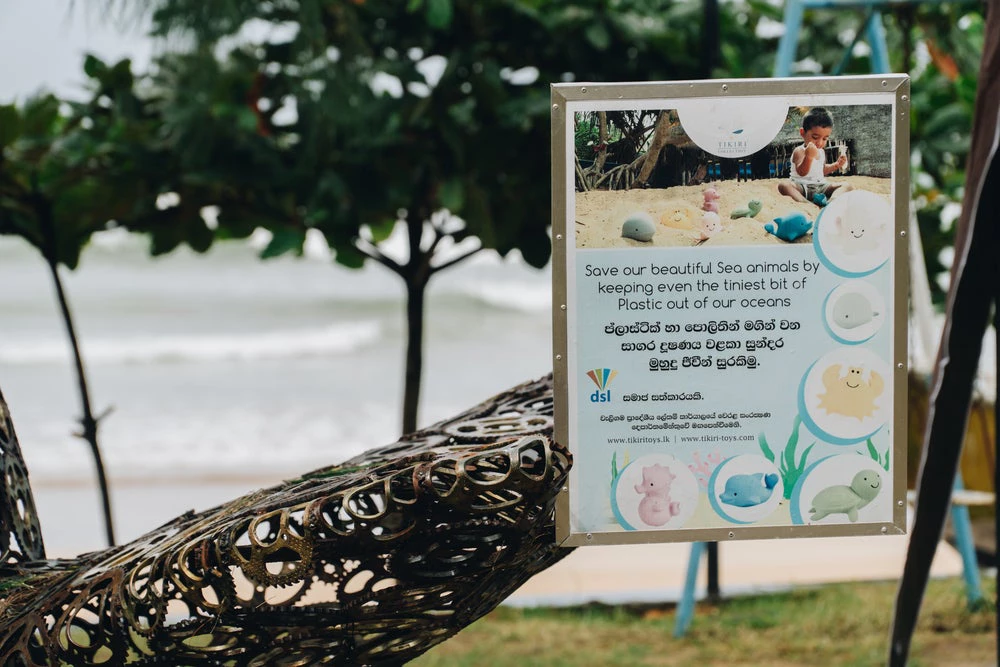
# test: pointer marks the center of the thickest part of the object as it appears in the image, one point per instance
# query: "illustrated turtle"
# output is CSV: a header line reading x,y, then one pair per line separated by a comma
x,y
841,499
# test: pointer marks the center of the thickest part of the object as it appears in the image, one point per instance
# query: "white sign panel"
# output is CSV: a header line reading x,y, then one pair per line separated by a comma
x,y
730,308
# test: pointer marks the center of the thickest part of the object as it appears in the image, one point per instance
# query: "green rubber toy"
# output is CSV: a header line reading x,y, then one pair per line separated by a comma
x,y
752,209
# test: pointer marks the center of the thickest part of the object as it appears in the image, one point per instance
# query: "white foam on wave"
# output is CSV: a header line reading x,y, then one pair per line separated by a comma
x,y
279,344
522,297
242,441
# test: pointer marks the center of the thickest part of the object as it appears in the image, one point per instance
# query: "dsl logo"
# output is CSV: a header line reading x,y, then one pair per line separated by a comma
x,y
602,377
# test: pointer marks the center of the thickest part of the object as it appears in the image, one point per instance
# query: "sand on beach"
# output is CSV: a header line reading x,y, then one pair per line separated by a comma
x,y
677,212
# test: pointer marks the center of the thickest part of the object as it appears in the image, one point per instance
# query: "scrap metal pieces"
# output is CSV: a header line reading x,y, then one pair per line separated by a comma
x,y
370,562
20,533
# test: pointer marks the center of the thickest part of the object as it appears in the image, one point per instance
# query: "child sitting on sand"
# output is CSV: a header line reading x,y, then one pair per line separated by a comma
x,y
809,167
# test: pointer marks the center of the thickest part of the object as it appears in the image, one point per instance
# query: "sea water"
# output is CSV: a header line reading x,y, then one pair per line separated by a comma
x,y
226,373
225,365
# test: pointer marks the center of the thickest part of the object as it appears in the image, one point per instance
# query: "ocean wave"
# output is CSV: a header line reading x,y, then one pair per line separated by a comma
x,y
522,297
331,340
239,441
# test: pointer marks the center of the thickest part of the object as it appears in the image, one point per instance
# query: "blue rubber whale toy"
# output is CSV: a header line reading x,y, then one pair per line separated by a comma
x,y
789,227
749,490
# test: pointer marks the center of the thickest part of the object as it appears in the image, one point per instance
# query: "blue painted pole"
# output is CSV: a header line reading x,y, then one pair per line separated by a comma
x,y
876,40
789,42
685,609
966,547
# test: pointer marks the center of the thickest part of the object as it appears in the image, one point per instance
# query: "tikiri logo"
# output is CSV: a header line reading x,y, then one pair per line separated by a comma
x,y
730,126
733,143
602,377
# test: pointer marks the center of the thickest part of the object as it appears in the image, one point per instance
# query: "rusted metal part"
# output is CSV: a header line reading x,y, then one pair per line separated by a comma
x,y
20,534
370,562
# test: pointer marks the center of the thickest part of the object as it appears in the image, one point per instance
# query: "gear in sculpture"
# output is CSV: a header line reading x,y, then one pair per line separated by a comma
x,y
370,562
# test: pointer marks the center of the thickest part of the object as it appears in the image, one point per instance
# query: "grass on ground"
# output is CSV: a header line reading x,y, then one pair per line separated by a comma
x,y
830,626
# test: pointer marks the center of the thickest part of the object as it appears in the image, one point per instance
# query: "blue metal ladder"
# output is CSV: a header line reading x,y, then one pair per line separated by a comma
x,y
874,32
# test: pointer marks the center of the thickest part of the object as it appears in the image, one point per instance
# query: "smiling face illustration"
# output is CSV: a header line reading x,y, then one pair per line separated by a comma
x,y
866,484
850,392
857,233
856,230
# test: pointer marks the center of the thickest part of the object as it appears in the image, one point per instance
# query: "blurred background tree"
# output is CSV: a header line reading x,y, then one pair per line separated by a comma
x,y
940,45
348,118
55,192
70,169
60,182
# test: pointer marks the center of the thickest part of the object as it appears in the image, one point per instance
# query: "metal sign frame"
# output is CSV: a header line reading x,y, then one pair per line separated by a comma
x,y
569,99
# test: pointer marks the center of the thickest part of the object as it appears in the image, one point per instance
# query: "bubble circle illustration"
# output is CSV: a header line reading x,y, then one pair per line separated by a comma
x,y
745,488
654,492
845,395
853,234
842,489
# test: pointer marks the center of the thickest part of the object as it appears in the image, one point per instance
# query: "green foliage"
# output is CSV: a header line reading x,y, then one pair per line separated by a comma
x,y
305,139
790,467
55,190
342,116
940,45
70,169
881,459
337,116
743,53
347,151
585,139
476,128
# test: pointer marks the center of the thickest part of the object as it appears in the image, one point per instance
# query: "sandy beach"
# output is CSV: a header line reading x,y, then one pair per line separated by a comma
x,y
70,511
611,574
677,212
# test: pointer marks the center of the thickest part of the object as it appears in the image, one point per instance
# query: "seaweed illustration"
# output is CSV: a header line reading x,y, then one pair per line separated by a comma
x,y
703,468
615,470
881,459
788,467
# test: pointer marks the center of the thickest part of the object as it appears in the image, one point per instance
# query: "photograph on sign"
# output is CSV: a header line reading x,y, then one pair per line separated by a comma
x,y
734,289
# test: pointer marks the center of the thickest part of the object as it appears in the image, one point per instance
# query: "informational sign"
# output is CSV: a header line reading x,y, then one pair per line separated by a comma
x,y
729,313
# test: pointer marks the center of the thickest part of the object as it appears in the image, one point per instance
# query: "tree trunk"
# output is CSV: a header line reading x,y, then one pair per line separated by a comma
x,y
660,135
602,145
415,290
416,273
87,420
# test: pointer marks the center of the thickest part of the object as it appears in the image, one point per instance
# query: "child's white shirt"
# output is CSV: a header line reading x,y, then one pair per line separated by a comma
x,y
815,174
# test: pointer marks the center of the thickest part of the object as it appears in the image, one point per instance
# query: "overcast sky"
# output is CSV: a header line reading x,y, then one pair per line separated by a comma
x,y
43,43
